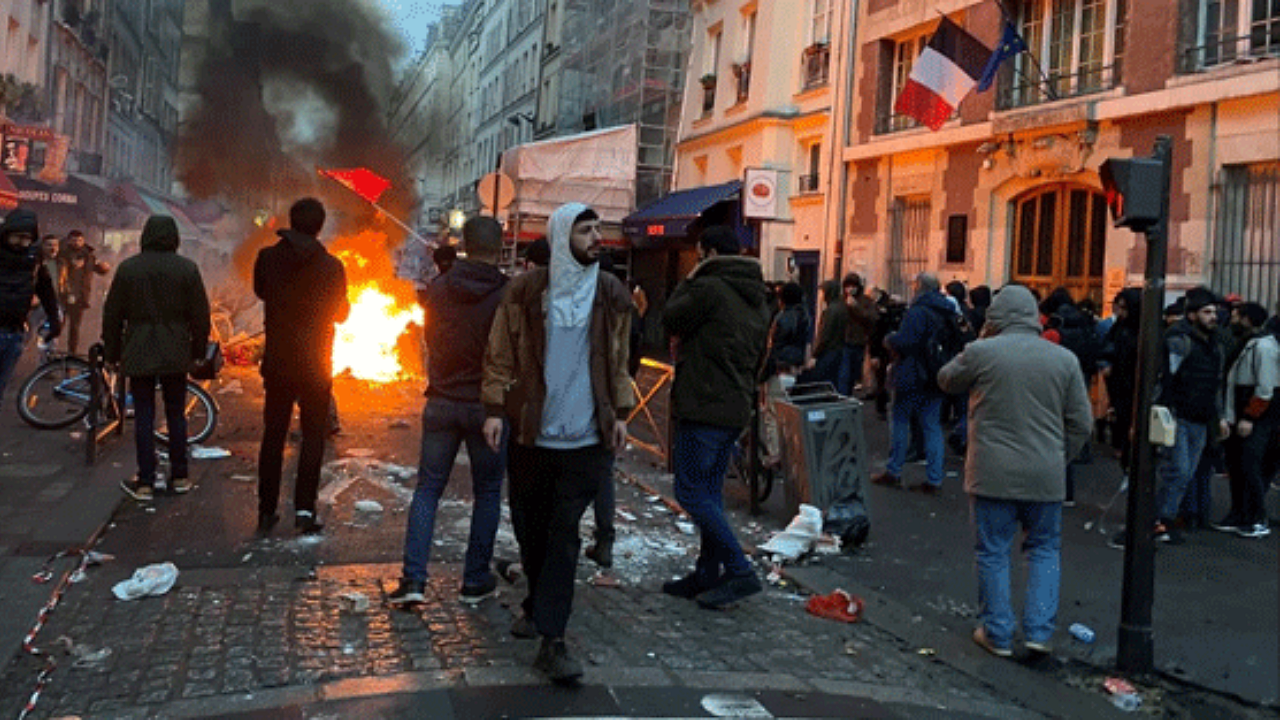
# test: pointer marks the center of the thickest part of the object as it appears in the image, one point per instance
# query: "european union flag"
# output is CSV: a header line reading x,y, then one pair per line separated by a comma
x,y
1011,43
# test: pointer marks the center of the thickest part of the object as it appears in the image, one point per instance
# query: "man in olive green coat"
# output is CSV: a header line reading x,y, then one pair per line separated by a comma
x,y
156,324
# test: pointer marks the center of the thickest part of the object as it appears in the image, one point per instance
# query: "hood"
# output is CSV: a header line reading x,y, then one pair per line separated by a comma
x,y
160,234
571,286
468,283
1133,299
1014,308
19,219
741,274
1072,317
300,246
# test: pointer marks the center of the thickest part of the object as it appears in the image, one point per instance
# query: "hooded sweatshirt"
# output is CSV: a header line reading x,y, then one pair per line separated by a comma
x,y
720,313
304,294
459,306
156,317
1029,411
23,276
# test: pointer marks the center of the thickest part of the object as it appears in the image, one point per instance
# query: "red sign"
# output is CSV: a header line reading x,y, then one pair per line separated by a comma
x,y
30,132
655,229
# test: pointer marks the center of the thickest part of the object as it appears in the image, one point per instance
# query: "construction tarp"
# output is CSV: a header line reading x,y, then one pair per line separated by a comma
x,y
595,168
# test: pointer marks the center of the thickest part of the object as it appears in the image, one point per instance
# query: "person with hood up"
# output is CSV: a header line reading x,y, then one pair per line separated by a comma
x,y
1121,375
155,323
556,372
22,278
459,305
1029,414
304,294
720,316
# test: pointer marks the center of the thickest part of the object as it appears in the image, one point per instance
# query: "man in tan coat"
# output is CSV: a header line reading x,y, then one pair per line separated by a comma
x,y
1028,415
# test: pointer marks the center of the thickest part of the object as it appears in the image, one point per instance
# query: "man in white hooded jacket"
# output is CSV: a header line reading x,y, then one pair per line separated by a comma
x,y
1029,414
1251,410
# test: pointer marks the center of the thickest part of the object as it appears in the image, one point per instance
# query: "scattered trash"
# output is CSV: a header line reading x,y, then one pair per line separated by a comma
x,y
799,536
1118,686
337,476
151,580
848,520
246,557
510,570
926,652
1123,694
1081,632
725,705
399,425
354,602
604,579
369,506
827,545
77,576
200,452
850,647
839,605
76,435
93,557
626,516
358,453
686,527
1128,702
244,478
232,387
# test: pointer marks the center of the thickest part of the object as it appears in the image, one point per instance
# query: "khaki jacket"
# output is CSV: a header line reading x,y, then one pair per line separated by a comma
x,y
514,385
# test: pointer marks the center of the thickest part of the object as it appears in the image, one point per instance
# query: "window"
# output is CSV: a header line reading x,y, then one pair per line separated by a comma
x,y
1080,44
742,68
908,243
1227,31
809,181
957,239
819,22
903,57
1246,232
710,62
1060,239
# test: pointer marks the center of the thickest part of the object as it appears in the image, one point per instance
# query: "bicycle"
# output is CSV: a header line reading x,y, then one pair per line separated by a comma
x,y
58,394
748,462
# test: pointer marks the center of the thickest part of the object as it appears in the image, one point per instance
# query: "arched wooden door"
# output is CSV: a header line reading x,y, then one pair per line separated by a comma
x,y
1060,240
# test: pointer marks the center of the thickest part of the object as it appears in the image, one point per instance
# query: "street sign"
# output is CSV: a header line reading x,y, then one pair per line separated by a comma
x,y
496,189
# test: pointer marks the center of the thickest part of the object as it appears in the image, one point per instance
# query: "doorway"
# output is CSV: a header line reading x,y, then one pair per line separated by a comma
x,y
1060,240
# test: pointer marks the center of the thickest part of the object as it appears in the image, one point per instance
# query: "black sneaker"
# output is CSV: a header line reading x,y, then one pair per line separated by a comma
x,y
689,586
1117,541
601,553
473,594
553,661
1228,524
523,627
408,592
1168,534
730,592
307,522
134,488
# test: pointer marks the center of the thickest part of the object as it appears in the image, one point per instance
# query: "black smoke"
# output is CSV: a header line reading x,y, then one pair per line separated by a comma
x,y
283,87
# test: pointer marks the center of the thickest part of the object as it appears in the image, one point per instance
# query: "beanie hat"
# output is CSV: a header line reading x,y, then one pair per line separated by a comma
x,y
1198,297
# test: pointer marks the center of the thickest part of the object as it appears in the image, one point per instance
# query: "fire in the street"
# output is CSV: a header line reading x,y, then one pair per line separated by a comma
x,y
375,342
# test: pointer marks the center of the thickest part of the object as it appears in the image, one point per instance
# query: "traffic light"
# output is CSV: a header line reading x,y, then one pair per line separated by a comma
x,y
1133,188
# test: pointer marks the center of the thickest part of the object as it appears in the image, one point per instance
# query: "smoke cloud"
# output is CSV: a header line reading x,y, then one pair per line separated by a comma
x,y
283,87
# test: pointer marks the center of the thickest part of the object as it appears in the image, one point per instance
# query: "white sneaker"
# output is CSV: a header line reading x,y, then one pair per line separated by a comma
x,y
1259,530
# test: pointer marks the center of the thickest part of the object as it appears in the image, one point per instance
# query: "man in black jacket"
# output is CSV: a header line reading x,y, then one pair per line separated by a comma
x,y
22,277
460,304
721,318
304,292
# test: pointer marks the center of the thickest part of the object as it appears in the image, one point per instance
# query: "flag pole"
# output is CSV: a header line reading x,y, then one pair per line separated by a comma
x,y
1044,79
385,212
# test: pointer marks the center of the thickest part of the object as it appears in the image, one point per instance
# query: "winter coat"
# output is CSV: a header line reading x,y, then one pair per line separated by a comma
x,y
304,294
1252,381
924,318
23,276
76,268
156,317
863,314
514,384
1029,411
790,336
720,314
459,306
836,319
1191,383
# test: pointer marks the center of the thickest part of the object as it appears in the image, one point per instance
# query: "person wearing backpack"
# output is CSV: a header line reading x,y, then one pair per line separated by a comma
x,y
915,390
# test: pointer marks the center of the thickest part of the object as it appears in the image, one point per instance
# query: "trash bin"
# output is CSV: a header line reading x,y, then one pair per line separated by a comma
x,y
824,452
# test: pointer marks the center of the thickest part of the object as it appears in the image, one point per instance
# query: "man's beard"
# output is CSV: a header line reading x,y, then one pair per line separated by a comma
x,y
583,257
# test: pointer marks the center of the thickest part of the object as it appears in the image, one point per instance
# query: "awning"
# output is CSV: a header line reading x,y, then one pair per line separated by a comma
x,y
671,215
8,193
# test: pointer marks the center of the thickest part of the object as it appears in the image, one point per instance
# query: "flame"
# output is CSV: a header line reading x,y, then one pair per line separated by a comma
x,y
371,344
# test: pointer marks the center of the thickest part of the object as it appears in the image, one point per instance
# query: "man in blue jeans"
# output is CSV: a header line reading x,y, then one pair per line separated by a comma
x,y
915,395
1029,414
460,304
22,278
720,317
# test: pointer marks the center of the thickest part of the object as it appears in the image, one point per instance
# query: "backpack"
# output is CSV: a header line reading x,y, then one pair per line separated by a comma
x,y
946,341
1084,343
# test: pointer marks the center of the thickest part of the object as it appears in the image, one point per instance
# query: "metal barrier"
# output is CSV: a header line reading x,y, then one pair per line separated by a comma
x,y
652,386
106,414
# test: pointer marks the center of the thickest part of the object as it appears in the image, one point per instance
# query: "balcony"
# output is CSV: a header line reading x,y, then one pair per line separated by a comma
x,y
708,83
1230,50
816,64
1057,86
808,183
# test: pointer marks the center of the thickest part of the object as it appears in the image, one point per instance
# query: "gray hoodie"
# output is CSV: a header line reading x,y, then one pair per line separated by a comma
x,y
1028,407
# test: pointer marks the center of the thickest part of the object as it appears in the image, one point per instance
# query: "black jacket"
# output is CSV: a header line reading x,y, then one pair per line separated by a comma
x,y
304,293
721,316
23,276
459,306
1193,388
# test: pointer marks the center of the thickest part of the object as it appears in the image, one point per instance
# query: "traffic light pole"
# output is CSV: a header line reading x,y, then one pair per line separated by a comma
x,y
1135,650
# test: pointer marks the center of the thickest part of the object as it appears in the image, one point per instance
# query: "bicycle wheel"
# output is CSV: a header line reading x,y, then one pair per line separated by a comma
x,y
202,416
57,394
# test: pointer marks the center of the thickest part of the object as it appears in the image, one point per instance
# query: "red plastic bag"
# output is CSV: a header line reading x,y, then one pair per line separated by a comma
x,y
839,605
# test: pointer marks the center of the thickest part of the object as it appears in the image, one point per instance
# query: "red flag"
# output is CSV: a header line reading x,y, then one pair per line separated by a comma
x,y
361,181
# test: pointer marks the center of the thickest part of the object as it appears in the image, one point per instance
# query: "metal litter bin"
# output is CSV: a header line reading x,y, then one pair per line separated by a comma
x,y
824,451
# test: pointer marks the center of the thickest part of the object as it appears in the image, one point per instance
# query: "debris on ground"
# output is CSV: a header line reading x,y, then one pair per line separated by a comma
x,y
232,387
839,605
244,478
152,580
369,506
799,537
359,453
354,602
200,452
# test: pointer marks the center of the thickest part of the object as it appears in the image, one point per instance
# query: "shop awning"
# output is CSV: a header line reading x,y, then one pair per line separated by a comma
x,y
671,215
8,194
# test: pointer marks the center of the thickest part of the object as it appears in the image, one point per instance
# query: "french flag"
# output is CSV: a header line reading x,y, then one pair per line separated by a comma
x,y
950,66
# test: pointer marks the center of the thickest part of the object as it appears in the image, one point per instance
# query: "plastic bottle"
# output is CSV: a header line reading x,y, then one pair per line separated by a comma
x,y
1128,702
1081,632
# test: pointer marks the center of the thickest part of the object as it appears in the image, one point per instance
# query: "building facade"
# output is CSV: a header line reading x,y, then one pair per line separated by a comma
x,y
147,41
1008,189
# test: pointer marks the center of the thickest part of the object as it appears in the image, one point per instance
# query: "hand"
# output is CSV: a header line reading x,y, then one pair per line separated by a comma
x,y
619,435
493,433
1224,430
1244,428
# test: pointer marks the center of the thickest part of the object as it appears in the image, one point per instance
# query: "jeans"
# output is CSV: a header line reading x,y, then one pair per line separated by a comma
x,y
10,352
1179,466
312,398
850,369
173,388
1245,458
605,507
1197,501
701,454
996,524
548,491
927,410
446,425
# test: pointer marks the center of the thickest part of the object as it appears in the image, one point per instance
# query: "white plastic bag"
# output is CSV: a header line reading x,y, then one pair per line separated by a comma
x,y
151,580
